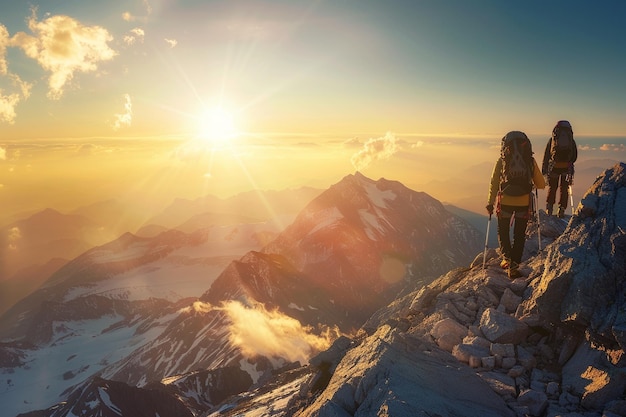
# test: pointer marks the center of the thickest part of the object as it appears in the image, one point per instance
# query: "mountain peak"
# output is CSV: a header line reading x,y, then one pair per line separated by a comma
x,y
46,213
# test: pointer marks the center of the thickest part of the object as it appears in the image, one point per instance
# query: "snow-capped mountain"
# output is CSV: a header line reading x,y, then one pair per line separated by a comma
x,y
356,243
347,254
106,303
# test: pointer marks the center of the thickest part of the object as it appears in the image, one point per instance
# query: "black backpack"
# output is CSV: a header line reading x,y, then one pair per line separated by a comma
x,y
562,148
517,164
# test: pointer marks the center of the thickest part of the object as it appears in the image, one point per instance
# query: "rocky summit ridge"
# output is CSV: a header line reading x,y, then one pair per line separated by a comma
x,y
475,343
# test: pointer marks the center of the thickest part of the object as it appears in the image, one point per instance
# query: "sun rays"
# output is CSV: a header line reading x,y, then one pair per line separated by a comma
x,y
216,126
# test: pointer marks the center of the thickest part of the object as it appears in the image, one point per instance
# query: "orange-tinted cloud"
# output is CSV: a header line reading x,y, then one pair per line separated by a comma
x,y
7,107
257,331
63,46
374,150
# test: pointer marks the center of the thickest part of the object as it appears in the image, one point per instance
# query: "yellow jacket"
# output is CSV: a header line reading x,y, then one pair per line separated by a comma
x,y
521,200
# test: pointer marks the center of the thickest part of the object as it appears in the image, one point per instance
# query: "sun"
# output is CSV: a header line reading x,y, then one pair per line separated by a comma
x,y
216,126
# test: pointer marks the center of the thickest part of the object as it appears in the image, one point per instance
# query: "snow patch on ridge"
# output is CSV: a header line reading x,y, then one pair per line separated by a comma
x,y
372,223
330,216
377,196
162,279
92,346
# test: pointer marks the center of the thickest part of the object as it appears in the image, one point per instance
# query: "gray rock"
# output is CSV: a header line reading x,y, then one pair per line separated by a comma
x,y
463,352
500,383
593,378
503,349
552,389
510,300
525,358
379,377
502,328
583,282
536,401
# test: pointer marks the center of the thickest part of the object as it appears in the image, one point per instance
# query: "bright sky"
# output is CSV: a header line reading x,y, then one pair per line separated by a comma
x,y
95,95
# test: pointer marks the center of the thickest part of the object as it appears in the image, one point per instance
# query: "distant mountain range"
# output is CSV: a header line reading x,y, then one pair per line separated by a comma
x,y
126,310
36,246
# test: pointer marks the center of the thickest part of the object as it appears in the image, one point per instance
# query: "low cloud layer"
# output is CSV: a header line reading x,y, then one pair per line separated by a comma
x,y
375,150
257,331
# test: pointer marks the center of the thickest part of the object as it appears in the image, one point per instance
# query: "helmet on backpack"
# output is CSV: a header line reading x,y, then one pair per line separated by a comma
x,y
517,164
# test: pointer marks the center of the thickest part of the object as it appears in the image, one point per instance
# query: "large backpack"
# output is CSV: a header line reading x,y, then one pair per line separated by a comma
x,y
562,146
517,164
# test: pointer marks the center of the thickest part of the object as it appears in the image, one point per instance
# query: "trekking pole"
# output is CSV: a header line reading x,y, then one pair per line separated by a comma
x,y
571,197
486,242
536,204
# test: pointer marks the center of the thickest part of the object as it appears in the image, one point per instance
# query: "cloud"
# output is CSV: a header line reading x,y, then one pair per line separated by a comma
x,y
257,331
375,150
147,5
613,147
9,102
63,46
124,119
129,17
7,107
353,142
135,35
418,144
23,86
171,42
4,42
3,154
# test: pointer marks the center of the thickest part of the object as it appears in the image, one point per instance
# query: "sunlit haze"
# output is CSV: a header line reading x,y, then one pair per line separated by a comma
x,y
146,101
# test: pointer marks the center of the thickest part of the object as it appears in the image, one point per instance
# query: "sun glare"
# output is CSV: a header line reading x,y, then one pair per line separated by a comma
x,y
216,126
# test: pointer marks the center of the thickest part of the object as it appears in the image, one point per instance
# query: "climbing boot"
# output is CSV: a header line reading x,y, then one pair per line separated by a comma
x,y
513,271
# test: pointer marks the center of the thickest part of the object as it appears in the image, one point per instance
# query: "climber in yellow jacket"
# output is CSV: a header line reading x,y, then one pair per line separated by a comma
x,y
514,175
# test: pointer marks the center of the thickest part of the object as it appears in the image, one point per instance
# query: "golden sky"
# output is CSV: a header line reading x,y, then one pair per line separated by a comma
x,y
179,99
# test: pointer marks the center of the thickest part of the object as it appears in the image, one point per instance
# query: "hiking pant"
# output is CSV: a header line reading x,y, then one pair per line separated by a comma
x,y
556,179
512,252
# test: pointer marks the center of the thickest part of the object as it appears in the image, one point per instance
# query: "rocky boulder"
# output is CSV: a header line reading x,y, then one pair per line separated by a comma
x,y
584,275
